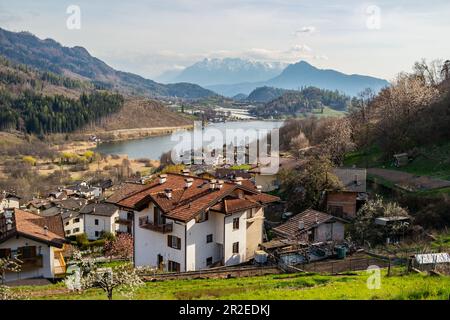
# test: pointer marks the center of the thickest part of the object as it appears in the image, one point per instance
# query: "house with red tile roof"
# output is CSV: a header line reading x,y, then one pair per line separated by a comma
x,y
37,242
312,226
187,223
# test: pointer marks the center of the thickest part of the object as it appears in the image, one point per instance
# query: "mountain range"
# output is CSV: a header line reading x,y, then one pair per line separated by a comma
x,y
233,76
225,71
76,62
303,74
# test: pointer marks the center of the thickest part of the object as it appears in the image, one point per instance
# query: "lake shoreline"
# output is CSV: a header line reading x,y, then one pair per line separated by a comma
x,y
153,146
136,133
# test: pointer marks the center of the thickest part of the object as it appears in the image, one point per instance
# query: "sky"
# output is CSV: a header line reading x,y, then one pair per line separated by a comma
x,y
149,37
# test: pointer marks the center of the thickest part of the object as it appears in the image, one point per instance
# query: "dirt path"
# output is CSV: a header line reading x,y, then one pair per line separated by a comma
x,y
409,181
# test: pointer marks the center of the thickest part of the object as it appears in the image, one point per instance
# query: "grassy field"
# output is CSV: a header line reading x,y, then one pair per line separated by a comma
x,y
284,287
433,161
328,112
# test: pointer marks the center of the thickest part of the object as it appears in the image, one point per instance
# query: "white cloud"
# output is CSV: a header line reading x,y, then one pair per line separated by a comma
x,y
305,30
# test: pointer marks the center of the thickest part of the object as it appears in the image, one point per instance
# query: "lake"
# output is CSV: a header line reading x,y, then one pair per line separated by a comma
x,y
154,147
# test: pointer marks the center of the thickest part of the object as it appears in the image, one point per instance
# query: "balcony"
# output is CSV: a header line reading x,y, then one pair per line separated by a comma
x,y
145,223
123,221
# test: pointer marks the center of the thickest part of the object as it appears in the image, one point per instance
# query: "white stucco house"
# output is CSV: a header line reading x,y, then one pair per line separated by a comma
x,y
36,241
8,201
98,218
185,223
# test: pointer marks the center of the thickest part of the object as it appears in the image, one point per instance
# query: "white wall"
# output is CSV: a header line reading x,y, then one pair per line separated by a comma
x,y
148,244
232,236
9,203
73,225
105,223
47,259
198,250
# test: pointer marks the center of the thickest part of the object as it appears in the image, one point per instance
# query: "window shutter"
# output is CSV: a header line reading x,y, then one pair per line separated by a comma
x,y
179,243
169,240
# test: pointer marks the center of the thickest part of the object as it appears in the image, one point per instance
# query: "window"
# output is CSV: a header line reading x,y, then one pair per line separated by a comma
x,y
5,253
249,213
68,232
174,242
96,222
27,252
97,234
337,211
76,220
67,223
174,266
236,248
209,238
209,261
235,223
76,230
204,216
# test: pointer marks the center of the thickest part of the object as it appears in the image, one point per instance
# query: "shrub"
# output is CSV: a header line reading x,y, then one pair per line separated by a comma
x,y
29,160
81,239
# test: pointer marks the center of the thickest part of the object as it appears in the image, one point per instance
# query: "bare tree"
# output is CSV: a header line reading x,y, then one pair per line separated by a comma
x,y
445,72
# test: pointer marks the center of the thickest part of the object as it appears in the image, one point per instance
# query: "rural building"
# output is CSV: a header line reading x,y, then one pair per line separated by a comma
x,y
83,190
429,261
271,182
186,223
346,203
38,205
8,201
125,220
36,241
393,227
99,218
73,220
312,226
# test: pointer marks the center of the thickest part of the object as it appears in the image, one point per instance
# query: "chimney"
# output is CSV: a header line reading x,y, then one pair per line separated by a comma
x,y
219,184
301,225
259,189
186,172
188,182
162,178
168,193
238,180
212,184
317,218
45,230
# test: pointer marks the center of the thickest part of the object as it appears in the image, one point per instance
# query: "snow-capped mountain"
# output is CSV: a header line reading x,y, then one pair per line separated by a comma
x,y
228,71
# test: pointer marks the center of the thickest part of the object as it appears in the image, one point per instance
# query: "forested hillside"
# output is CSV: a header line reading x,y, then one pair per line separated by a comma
x,y
42,102
292,103
49,55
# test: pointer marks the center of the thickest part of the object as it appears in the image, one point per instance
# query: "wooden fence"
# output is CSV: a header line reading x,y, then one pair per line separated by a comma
x,y
216,273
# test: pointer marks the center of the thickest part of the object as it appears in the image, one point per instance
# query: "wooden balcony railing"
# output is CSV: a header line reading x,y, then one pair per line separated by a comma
x,y
145,223
123,221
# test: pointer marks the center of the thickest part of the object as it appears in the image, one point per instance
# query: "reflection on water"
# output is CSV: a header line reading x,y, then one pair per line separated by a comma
x,y
153,147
